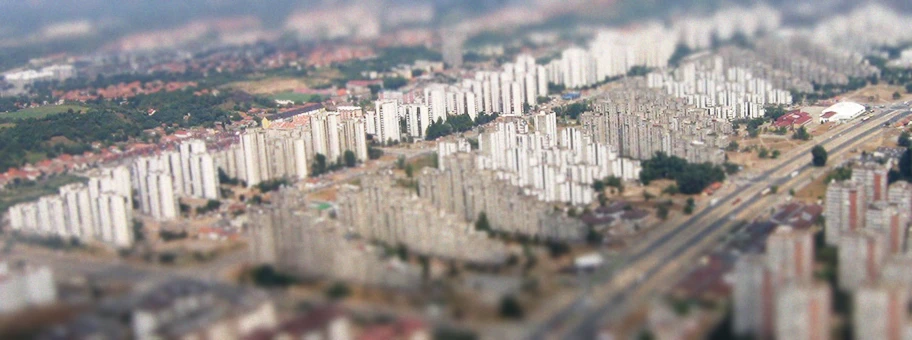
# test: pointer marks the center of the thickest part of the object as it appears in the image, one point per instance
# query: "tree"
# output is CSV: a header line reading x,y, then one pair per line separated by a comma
x,y
689,207
510,308
671,189
819,155
409,170
394,83
764,153
903,140
801,134
482,224
909,88
662,212
374,153
732,146
319,165
647,196
896,95
350,159
338,291
775,154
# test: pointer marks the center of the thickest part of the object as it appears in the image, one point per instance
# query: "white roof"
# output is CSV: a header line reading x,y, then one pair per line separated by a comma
x,y
844,110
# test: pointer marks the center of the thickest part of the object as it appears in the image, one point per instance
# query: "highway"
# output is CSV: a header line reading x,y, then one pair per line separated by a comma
x,y
665,252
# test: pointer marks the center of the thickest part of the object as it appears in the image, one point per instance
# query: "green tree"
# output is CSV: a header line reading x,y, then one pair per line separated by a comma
x,y
319,165
689,207
732,146
903,139
338,291
896,95
764,153
801,134
394,83
374,153
662,212
909,88
819,155
350,159
510,308
775,154
482,224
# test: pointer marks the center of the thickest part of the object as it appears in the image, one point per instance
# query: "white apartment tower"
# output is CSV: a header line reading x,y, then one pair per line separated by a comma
x,y
387,121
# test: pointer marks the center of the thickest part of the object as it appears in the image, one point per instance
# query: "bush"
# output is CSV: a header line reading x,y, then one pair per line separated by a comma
x,y
510,308
338,291
374,153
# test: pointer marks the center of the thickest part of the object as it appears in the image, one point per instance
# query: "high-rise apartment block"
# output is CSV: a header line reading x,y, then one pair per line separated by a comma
x,y
458,186
754,297
386,121
790,254
880,312
25,285
294,239
861,257
265,154
640,122
769,287
900,194
873,176
845,205
378,210
890,220
100,210
803,311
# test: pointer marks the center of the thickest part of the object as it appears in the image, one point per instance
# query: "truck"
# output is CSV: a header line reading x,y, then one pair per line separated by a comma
x,y
765,192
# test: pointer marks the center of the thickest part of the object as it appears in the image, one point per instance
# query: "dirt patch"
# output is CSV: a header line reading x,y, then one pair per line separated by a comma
x,y
877,94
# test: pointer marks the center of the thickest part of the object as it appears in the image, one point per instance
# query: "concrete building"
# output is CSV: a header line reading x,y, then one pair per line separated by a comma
x,y
24,285
387,121
790,255
353,137
325,135
880,312
99,211
291,237
891,221
639,122
458,186
900,194
844,208
198,172
378,210
265,154
861,257
896,271
840,112
417,119
803,311
873,176
154,181
754,297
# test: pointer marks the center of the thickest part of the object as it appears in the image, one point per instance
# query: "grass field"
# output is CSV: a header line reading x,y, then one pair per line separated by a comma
x,y
31,191
42,111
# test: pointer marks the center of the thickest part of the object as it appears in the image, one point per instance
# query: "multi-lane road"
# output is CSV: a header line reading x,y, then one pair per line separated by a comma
x,y
651,265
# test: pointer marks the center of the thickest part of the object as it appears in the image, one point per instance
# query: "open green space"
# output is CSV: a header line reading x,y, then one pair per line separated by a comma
x,y
42,111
